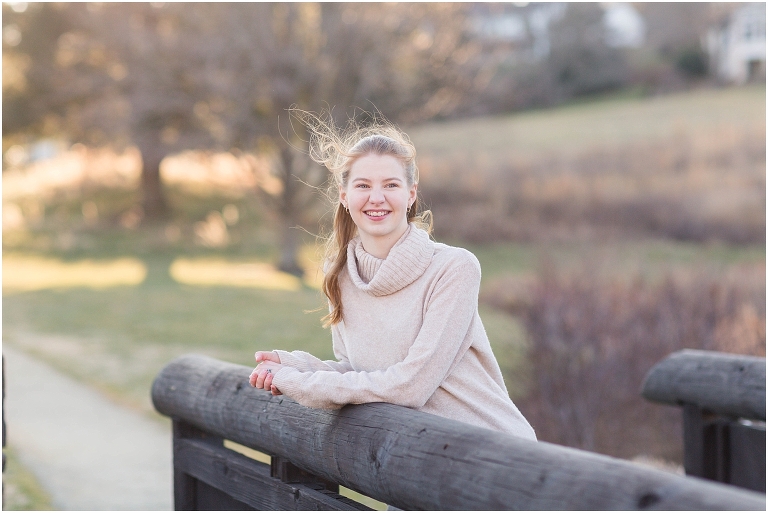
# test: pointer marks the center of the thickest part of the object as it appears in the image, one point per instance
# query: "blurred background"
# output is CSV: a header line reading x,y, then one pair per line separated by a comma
x,y
604,161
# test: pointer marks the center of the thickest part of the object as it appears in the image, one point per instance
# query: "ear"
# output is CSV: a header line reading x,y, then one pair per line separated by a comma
x,y
342,195
412,193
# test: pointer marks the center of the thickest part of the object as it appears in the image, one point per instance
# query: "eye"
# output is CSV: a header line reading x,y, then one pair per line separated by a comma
x,y
361,186
392,185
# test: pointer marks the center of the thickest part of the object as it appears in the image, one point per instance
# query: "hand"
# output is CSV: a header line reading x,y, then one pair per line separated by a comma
x,y
262,375
267,356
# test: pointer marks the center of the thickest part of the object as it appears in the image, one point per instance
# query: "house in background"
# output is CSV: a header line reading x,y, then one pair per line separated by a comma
x,y
736,46
626,28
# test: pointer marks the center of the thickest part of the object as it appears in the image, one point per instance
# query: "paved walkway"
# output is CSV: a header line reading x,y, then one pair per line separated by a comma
x,y
87,452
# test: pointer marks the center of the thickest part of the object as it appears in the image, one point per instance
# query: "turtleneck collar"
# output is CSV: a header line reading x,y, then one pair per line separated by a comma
x,y
406,261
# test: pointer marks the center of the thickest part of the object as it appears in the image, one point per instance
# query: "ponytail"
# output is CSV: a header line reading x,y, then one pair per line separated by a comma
x,y
344,230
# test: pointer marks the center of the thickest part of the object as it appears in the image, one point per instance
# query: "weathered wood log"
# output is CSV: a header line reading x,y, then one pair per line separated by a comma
x,y
246,481
414,460
726,384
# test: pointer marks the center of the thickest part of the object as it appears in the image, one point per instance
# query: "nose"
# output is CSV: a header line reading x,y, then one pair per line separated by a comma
x,y
376,195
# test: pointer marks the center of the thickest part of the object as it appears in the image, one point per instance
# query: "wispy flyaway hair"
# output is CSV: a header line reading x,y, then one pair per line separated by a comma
x,y
337,149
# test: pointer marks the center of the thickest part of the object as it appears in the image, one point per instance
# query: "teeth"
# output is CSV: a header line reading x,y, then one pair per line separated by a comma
x,y
377,213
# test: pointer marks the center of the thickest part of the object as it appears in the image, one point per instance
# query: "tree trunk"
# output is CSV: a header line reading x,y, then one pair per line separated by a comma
x,y
290,241
153,200
289,210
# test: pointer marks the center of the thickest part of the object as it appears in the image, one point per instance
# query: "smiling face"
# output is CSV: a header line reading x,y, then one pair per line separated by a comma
x,y
378,196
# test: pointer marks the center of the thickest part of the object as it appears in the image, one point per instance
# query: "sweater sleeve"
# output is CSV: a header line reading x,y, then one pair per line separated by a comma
x,y
442,340
305,362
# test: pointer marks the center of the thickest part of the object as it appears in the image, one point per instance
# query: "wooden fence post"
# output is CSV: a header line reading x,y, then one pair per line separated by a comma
x,y
208,476
723,402
189,492
282,469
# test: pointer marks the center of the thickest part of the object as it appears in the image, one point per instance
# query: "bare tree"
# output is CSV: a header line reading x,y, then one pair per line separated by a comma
x,y
580,60
410,62
118,74
211,75
282,55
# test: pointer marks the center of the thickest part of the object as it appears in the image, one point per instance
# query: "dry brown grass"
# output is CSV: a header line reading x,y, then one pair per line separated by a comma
x,y
688,167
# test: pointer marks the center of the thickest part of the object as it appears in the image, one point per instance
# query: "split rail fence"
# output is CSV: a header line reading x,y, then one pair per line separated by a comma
x,y
402,457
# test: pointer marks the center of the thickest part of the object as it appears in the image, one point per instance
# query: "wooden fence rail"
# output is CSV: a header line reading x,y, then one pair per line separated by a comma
x,y
396,455
723,401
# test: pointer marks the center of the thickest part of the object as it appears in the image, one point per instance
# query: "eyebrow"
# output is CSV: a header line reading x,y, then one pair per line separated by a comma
x,y
362,179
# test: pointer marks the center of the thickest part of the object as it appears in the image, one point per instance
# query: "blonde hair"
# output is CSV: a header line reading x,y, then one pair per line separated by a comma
x,y
338,149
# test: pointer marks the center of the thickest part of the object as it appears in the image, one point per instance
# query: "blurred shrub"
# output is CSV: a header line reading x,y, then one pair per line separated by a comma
x,y
675,219
593,340
692,62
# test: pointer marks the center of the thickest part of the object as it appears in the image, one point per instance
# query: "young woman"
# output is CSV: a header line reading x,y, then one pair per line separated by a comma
x,y
403,309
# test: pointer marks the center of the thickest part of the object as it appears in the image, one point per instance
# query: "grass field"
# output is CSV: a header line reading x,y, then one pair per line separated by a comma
x,y
598,124
686,166
118,337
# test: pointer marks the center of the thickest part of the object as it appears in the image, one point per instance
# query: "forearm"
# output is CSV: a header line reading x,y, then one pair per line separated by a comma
x,y
408,383
331,390
305,362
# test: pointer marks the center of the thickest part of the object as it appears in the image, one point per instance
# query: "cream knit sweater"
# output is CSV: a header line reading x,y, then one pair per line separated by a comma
x,y
412,336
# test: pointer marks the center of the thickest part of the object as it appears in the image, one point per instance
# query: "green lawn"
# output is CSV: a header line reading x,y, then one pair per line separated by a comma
x,y
118,338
